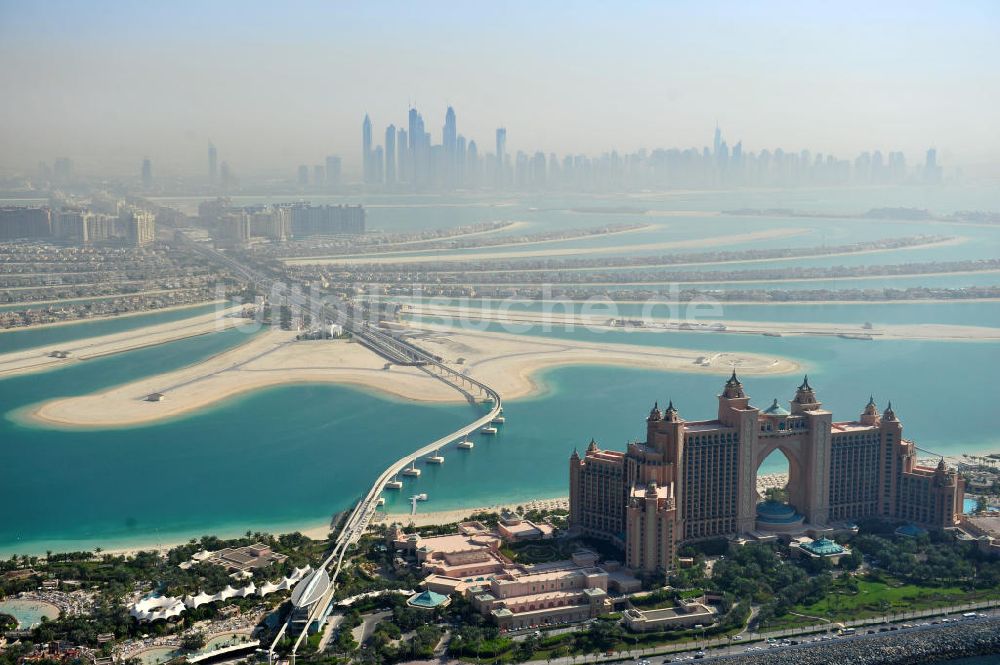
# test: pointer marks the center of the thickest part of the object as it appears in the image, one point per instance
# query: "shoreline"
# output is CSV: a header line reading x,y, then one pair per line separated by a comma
x,y
38,358
335,257
565,251
314,529
958,240
110,317
777,280
87,300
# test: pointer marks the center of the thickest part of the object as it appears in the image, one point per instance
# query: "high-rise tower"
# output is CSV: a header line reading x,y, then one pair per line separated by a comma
x,y
147,173
366,149
213,164
501,158
390,155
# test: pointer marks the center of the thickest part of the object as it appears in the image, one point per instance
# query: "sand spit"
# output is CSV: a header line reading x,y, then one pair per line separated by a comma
x,y
508,362
40,358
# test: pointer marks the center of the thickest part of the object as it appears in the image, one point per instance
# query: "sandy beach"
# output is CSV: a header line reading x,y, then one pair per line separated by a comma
x,y
510,363
940,243
600,321
548,253
37,358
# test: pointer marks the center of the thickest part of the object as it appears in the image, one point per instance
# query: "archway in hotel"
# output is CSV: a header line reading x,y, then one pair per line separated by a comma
x,y
779,490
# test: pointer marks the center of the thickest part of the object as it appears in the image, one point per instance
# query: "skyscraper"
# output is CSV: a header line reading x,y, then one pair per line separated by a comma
x,y
303,177
225,176
402,155
390,155
501,156
459,160
450,131
332,172
419,149
147,173
932,172
378,167
366,149
472,165
213,164
449,138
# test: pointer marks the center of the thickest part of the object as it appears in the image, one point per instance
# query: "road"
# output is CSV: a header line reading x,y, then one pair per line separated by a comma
x,y
391,347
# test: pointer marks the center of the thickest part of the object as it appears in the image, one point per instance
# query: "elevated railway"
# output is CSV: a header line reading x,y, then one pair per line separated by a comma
x,y
313,596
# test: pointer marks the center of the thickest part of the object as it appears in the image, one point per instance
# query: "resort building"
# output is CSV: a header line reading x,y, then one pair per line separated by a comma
x,y
513,529
544,594
691,480
512,595
688,614
237,559
819,548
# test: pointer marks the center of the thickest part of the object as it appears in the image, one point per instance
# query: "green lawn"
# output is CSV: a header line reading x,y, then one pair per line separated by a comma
x,y
875,599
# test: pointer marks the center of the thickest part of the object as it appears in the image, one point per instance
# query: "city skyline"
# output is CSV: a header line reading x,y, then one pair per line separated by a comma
x,y
900,77
455,163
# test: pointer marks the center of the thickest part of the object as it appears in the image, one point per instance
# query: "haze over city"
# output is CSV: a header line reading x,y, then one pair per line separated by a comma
x,y
111,83
471,333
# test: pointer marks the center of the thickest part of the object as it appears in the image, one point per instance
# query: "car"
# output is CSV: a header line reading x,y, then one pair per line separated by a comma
x,y
737,637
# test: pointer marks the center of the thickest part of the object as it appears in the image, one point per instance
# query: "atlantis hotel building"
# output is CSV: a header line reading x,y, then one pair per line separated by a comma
x,y
692,480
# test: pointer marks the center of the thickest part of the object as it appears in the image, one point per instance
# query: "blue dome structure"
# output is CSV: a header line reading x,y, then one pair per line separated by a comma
x,y
778,516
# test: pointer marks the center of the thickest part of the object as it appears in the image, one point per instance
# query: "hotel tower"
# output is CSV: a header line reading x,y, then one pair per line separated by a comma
x,y
692,480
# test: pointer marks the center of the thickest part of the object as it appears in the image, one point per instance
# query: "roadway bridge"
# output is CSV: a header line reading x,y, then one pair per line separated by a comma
x,y
359,519
312,597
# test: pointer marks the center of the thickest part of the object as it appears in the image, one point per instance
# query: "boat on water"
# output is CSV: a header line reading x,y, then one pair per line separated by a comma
x,y
411,470
499,420
436,458
465,444
381,501
394,484
422,497
489,429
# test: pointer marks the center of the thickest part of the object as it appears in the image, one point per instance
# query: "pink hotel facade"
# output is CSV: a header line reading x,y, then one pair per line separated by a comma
x,y
692,480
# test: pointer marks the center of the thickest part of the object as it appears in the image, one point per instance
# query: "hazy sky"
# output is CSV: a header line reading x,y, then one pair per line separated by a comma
x,y
276,84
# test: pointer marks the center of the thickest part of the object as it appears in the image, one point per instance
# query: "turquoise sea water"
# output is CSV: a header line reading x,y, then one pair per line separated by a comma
x,y
294,455
284,457
273,457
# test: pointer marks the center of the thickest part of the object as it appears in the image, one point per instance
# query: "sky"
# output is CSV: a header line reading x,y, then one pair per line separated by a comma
x,y
273,85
